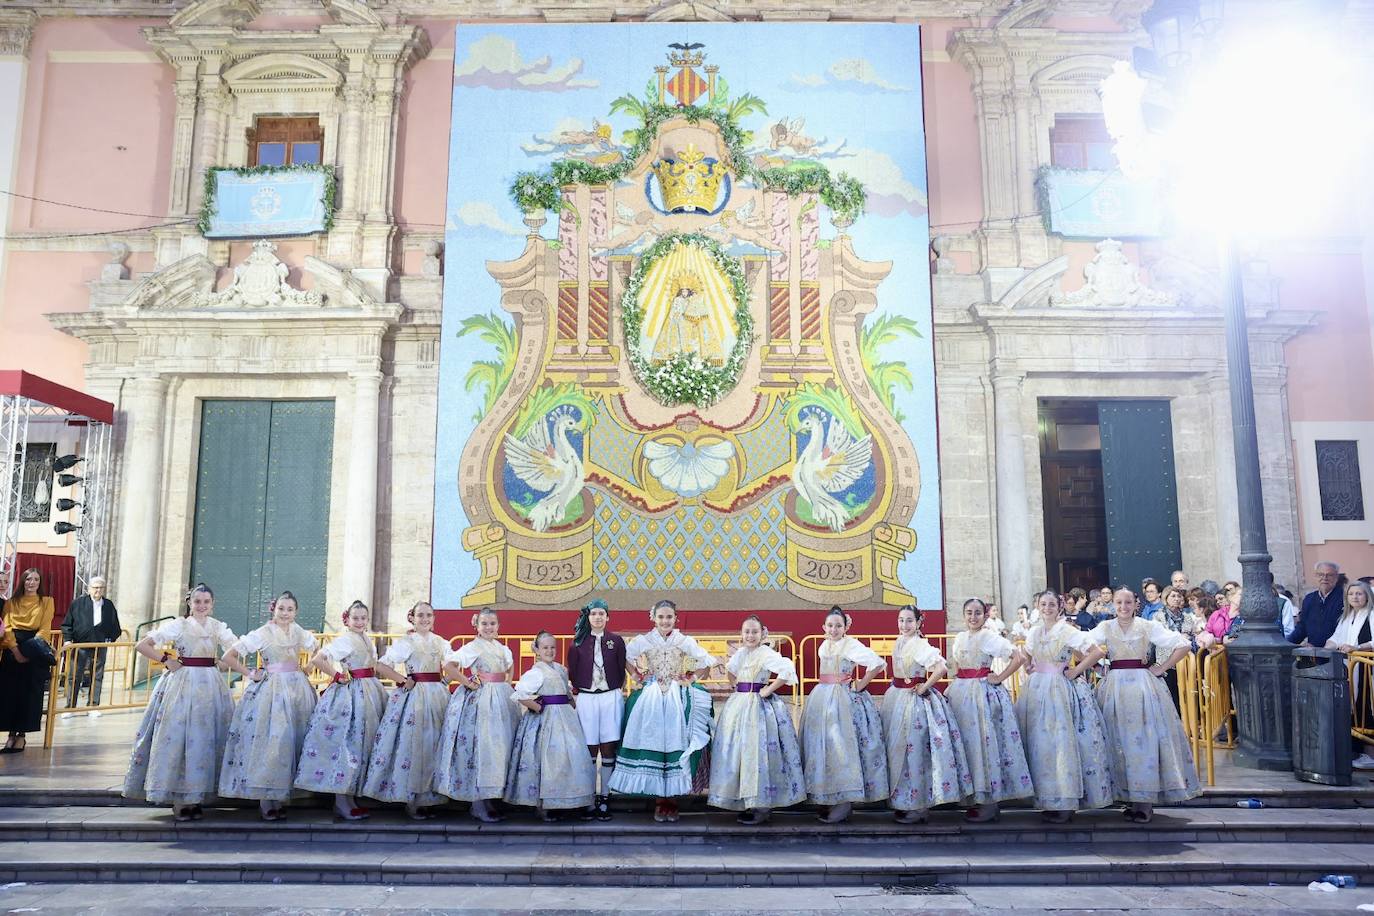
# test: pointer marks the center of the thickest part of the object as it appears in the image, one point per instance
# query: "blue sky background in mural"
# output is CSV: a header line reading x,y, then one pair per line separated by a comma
x,y
519,90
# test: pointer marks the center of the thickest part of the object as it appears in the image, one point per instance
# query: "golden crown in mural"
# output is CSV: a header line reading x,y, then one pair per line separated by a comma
x,y
689,182
684,279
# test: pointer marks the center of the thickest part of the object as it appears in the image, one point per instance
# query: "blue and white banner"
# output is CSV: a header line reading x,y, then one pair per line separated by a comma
x,y
289,201
1094,204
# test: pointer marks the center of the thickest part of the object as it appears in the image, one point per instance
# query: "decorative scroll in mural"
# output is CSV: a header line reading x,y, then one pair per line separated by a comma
x,y
701,378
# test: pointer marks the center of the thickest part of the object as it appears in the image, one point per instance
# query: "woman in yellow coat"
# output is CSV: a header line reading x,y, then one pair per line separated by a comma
x,y
27,614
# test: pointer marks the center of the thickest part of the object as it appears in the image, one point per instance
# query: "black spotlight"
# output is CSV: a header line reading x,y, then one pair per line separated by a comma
x,y
66,505
64,463
69,480
65,527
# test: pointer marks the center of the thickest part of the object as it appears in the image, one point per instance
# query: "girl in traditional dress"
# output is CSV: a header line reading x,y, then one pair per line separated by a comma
x,y
344,724
1151,761
926,762
841,732
983,709
596,670
1061,724
549,766
273,714
668,719
475,746
401,767
180,743
756,761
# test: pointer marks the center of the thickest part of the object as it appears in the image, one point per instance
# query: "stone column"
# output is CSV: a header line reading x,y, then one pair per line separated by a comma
x,y
183,134
214,104
1224,467
144,407
1013,513
360,507
350,148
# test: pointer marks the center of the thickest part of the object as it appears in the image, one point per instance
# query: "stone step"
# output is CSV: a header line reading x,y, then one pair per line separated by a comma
x,y
920,863
1171,826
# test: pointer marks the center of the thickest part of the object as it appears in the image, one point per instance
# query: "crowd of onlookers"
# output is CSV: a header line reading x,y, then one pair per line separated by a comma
x,y
1334,615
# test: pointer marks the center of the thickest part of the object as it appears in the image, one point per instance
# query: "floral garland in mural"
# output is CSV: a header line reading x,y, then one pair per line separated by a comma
x,y
842,193
687,377
208,207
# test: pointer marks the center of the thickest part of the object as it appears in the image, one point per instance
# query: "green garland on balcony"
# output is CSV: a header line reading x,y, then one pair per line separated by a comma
x,y
207,207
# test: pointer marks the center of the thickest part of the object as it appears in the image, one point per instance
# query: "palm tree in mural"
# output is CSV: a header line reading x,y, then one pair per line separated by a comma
x,y
886,376
490,374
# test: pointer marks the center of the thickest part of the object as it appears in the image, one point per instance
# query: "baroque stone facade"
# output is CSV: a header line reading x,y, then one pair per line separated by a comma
x,y
1020,314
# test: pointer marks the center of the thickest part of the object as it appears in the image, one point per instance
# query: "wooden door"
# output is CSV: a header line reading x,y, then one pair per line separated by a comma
x,y
1071,478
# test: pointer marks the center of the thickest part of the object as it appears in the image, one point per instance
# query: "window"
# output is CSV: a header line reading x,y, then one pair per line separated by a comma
x,y
1338,480
35,490
1081,141
285,141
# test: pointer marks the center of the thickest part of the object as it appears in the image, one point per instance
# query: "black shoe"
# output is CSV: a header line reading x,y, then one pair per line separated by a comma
x,y
602,807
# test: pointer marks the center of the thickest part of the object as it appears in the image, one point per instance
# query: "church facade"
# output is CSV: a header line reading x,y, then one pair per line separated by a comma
x,y
277,400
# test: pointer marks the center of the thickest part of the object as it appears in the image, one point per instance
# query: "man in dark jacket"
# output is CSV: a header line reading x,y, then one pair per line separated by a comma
x,y
90,618
1321,607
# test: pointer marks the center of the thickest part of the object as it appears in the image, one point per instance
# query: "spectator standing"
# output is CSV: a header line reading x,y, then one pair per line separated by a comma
x,y
1179,579
1152,603
90,618
1288,611
1321,607
1353,635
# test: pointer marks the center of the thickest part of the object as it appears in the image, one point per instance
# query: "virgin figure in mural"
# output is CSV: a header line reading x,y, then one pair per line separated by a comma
x,y
688,328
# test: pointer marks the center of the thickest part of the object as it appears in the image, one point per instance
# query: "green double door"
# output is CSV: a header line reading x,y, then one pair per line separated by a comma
x,y
262,507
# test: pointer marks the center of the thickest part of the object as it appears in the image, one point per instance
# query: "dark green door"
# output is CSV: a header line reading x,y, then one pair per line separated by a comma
x,y
1141,495
262,507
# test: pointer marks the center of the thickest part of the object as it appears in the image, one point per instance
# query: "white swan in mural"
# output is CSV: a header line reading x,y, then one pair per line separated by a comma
x,y
831,461
551,465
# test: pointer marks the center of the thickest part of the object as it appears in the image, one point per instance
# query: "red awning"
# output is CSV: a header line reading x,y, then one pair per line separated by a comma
x,y
14,382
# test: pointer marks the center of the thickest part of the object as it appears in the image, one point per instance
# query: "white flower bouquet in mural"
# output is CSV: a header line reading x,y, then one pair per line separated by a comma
x,y
692,381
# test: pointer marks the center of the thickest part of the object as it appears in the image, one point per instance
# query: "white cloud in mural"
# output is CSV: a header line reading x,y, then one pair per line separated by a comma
x,y
853,74
477,213
889,191
495,62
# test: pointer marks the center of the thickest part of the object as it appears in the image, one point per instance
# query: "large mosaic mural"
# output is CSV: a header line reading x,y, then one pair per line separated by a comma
x,y
687,326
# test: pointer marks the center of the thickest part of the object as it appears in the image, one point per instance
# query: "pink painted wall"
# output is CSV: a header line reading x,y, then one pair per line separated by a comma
x,y
422,142
953,157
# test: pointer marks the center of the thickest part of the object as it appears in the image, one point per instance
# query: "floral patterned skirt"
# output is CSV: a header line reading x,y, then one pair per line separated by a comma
x,y
475,745
1150,757
340,736
549,765
842,747
755,756
992,740
180,742
1066,745
926,762
401,766
265,738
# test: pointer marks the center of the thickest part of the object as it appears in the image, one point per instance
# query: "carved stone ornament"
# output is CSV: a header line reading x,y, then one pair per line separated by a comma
x,y
259,282
1112,282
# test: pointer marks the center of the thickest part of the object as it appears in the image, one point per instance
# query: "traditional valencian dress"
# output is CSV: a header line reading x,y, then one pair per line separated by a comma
x,y
1061,724
755,755
401,768
271,719
987,719
926,761
344,724
667,722
842,732
475,745
180,743
549,765
1151,761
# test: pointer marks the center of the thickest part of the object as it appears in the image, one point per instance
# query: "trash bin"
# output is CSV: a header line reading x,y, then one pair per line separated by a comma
x,y
1321,717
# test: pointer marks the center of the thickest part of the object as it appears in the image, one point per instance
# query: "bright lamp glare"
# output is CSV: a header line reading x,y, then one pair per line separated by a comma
x,y
1269,138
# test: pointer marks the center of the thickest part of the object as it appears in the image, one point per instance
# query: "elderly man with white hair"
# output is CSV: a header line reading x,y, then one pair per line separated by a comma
x,y
1321,607
90,618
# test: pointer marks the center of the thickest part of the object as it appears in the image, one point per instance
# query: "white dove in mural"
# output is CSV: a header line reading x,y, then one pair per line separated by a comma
x,y
548,465
831,461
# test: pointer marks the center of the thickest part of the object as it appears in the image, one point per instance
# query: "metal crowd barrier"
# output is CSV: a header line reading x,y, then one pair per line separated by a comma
x,y
1206,708
1359,668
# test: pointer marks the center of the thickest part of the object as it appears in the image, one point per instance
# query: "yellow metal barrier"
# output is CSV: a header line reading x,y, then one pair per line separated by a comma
x,y
809,667
1360,669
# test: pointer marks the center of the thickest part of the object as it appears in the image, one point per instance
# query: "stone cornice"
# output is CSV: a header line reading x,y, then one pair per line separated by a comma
x,y
16,31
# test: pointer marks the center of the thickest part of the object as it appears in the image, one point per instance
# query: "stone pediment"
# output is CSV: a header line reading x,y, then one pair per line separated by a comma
x,y
239,13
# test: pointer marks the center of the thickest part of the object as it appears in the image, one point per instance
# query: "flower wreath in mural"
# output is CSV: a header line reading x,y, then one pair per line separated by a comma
x,y
686,320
